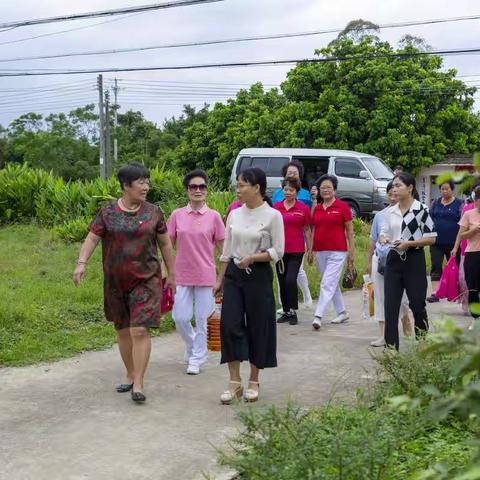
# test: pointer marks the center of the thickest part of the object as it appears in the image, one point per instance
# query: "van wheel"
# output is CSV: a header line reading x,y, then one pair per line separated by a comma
x,y
354,209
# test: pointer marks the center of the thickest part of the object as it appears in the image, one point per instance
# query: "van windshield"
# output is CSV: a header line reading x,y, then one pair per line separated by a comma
x,y
377,168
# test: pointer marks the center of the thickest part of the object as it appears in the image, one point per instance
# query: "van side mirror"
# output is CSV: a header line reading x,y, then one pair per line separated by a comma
x,y
364,174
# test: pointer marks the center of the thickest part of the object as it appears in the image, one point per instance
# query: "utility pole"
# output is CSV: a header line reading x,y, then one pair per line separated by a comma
x,y
108,143
101,117
115,123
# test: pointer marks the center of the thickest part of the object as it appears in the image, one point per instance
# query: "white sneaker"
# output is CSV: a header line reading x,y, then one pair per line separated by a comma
x,y
193,370
343,317
308,303
380,342
317,323
472,326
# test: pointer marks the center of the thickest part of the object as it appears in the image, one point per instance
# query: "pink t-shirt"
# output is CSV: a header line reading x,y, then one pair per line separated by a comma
x,y
233,206
471,219
295,219
195,234
463,244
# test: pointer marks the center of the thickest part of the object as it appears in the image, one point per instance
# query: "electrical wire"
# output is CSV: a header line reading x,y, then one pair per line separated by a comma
x,y
258,63
106,13
84,27
230,40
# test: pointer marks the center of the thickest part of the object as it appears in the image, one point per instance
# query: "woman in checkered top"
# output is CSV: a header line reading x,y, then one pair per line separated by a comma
x,y
407,228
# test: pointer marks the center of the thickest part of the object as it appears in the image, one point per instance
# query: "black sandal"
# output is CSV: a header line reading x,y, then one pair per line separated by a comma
x,y
138,397
124,387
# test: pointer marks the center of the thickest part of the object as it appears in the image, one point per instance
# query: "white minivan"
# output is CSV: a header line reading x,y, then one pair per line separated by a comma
x,y
362,178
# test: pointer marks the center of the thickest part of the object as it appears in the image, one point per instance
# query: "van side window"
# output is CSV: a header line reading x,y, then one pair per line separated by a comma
x,y
243,164
314,168
275,165
348,167
272,166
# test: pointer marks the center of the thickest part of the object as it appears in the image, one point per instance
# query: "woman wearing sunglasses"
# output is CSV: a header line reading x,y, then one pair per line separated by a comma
x,y
195,231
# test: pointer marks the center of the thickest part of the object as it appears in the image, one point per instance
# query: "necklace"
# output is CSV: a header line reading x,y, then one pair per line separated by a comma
x,y
134,209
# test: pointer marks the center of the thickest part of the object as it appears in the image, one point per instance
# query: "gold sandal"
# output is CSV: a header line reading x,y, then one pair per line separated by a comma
x,y
228,396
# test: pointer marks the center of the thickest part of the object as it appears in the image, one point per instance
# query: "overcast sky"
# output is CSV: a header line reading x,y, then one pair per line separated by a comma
x,y
226,19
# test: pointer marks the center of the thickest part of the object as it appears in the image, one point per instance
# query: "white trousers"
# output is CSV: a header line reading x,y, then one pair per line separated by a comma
x,y
188,299
330,265
379,294
302,282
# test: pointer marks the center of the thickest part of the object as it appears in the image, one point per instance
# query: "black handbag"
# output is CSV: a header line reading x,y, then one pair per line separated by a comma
x,y
349,277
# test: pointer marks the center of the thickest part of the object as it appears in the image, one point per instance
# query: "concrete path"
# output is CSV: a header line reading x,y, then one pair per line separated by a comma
x,y
64,421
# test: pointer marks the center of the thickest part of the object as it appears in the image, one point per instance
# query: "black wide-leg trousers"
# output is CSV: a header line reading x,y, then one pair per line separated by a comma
x,y
248,326
408,274
472,278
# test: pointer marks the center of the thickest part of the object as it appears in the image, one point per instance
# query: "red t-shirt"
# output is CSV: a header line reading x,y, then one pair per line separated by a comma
x,y
329,226
295,219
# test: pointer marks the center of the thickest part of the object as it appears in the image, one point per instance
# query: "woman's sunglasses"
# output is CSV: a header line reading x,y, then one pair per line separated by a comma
x,y
194,187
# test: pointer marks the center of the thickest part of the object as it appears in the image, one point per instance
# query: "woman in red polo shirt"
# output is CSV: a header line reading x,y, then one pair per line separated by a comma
x,y
332,239
296,223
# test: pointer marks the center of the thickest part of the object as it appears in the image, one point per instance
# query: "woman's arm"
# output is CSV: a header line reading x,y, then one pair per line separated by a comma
x,y
165,245
86,251
350,241
218,287
307,232
454,251
466,233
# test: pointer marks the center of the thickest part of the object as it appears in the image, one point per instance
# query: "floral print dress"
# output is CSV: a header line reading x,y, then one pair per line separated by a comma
x,y
131,267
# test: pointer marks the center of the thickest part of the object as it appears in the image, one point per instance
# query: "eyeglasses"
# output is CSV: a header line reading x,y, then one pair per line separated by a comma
x,y
193,187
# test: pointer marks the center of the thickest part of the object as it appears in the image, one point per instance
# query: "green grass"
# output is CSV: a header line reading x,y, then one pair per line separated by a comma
x,y
43,316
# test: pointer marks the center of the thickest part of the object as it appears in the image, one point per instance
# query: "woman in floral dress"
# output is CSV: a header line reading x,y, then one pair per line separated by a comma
x,y
131,230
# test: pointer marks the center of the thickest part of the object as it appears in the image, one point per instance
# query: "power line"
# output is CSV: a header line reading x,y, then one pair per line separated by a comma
x,y
230,40
19,40
105,13
399,55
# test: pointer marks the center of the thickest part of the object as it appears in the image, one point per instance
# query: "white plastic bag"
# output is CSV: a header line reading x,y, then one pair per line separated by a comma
x,y
367,294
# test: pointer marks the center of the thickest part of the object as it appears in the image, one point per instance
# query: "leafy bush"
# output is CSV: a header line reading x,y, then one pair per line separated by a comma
x,y
402,429
68,207
19,186
342,442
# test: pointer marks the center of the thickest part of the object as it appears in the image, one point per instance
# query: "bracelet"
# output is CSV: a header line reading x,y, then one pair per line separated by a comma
x,y
81,263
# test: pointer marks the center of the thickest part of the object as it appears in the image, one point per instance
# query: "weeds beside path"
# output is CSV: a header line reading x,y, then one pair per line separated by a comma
x,y
43,317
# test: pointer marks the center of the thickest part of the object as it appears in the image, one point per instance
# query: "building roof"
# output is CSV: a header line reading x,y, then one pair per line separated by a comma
x,y
457,159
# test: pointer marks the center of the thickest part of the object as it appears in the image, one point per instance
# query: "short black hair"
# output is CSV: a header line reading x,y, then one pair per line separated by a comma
x,y
254,176
389,185
330,178
450,182
292,182
194,173
294,163
131,172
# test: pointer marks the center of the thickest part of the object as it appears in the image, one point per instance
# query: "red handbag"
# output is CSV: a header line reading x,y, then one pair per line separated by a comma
x,y
167,298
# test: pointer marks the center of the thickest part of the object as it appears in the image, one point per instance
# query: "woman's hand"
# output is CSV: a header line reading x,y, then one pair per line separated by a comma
x,y
245,262
171,283
351,258
217,289
401,246
78,274
310,257
453,253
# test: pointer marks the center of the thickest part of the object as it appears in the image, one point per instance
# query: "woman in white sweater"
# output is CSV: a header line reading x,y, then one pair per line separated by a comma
x,y
254,237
